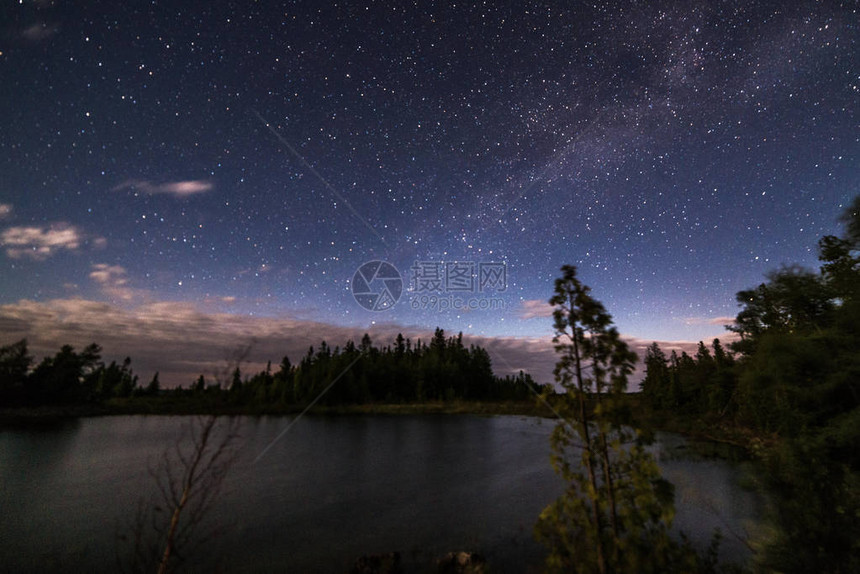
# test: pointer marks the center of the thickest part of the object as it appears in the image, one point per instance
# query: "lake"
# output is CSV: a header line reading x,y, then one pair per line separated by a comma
x,y
328,491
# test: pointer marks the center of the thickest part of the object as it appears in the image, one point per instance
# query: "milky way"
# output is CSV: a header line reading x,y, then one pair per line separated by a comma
x,y
249,161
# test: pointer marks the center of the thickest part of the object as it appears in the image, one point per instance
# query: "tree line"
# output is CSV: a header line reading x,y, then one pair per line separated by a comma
x,y
68,377
445,369
792,377
702,383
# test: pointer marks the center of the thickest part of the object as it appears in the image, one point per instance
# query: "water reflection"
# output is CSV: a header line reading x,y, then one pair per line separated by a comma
x,y
331,489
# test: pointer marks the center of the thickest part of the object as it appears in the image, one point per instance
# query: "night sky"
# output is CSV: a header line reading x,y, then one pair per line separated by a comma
x,y
176,176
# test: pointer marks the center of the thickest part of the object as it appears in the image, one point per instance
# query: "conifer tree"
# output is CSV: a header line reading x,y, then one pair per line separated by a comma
x,y
616,511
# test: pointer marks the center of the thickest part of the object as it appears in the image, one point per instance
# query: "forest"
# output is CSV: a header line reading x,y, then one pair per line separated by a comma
x,y
442,370
791,384
788,384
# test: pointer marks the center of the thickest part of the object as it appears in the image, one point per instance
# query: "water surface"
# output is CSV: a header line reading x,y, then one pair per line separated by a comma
x,y
330,490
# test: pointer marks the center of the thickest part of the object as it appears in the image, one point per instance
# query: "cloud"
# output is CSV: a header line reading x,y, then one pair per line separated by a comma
x,y
175,188
105,274
533,308
113,282
5,210
721,321
40,243
40,31
220,300
183,340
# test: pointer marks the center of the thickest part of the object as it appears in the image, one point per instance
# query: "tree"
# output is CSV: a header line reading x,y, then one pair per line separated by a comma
x,y
171,527
112,381
656,384
154,386
704,384
794,300
236,381
60,379
798,378
15,364
616,511
815,504
721,387
366,343
840,257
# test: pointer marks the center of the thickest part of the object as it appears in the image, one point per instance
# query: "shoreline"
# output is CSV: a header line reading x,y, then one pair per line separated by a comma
x,y
692,428
57,413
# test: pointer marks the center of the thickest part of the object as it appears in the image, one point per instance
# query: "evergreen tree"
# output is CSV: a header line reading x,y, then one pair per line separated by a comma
x,y
656,384
616,511
799,376
154,386
60,379
15,362
794,300
236,381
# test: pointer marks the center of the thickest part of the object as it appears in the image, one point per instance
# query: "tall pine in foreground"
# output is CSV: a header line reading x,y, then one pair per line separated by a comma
x,y
616,511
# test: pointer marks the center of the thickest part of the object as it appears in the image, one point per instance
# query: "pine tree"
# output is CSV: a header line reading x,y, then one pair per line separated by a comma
x,y
655,386
15,362
154,385
616,511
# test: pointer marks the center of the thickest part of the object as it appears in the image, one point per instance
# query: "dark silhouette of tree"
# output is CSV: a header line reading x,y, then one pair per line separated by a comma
x,y
112,381
443,370
15,362
236,381
656,385
702,384
154,386
794,300
67,377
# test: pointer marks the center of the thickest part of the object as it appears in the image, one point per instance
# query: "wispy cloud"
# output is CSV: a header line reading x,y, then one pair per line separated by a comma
x,y
220,300
113,275
40,31
532,308
114,283
40,243
721,321
176,188
182,340
5,210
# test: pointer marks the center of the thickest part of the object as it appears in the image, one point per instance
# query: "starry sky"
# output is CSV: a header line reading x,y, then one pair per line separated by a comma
x,y
187,175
